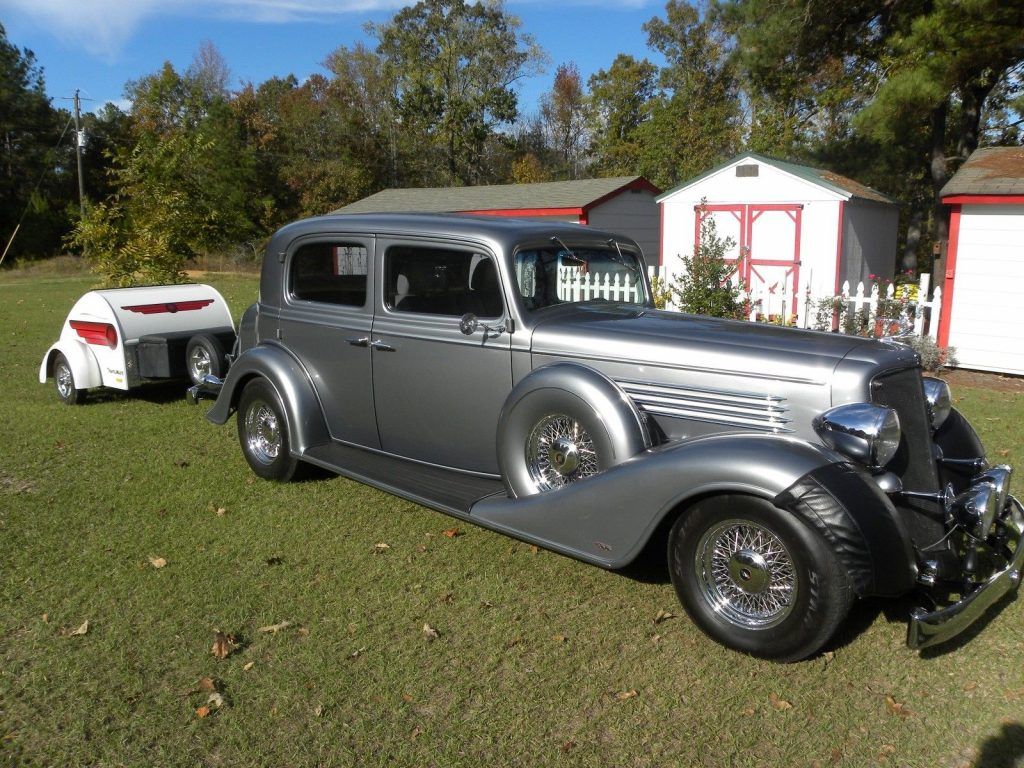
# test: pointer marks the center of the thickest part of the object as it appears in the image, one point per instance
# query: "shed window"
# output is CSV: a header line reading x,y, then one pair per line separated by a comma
x,y
330,273
750,169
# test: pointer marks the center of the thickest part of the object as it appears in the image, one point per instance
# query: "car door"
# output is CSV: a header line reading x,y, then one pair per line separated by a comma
x,y
325,322
437,391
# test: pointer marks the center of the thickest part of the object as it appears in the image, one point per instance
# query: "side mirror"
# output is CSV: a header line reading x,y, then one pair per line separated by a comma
x,y
468,324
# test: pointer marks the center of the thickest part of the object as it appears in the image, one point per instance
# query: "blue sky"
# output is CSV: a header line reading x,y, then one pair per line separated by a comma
x,y
98,45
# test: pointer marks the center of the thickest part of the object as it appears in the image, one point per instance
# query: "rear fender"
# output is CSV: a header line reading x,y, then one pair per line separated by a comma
x,y
303,412
607,519
83,364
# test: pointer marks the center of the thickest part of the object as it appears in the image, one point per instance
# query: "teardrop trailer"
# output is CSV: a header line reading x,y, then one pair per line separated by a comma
x,y
119,338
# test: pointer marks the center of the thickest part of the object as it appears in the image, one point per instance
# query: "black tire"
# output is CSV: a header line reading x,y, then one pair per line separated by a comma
x,y
204,355
263,432
756,579
64,382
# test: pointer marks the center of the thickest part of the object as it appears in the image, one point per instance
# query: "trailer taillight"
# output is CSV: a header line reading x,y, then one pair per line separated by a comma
x,y
96,333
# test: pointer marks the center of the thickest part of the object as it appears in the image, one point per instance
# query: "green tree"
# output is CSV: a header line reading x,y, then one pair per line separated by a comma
x,y
454,66
29,131
620,103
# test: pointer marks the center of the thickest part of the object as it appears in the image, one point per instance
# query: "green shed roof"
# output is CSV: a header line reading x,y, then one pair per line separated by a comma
x,y
827,179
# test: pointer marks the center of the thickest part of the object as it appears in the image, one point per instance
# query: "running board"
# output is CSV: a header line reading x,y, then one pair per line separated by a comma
x,y
442,489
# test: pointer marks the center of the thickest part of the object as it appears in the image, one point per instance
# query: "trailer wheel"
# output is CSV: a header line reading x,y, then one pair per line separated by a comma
x,y
204,356
64,381
263,432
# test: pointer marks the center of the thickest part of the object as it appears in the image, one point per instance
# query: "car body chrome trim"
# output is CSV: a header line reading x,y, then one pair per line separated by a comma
x,y
766,413
932,628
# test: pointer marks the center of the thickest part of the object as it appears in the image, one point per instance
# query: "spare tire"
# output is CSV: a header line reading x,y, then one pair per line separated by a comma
x,y
563,423
204,356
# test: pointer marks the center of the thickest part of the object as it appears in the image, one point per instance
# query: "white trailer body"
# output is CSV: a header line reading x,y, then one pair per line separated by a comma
x,y
121,337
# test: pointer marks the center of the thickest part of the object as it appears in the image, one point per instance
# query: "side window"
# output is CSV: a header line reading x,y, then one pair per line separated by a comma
x,y
439,281
330,273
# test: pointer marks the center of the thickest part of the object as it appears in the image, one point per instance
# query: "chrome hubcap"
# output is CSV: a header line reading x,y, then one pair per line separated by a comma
x,y
263,432
65,383
198,364
559,451
746,574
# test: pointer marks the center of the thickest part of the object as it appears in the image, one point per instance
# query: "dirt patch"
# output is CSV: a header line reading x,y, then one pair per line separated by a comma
x,y
994,382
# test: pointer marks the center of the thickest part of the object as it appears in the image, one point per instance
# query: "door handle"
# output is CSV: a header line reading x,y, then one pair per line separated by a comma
x,y
363,342
380,345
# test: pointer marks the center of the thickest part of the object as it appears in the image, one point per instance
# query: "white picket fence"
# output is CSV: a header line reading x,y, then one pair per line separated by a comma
x,y
775,303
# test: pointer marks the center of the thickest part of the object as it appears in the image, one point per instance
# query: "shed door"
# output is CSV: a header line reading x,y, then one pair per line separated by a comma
x,y
767,237
985,322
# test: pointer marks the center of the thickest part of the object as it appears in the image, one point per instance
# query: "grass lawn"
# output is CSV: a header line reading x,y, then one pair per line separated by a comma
x,y
539,660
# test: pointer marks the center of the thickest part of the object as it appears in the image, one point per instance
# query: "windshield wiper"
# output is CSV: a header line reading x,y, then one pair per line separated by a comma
x,y
569,252
622,259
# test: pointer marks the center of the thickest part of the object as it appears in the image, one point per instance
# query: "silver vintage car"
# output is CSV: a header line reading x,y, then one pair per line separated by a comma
x,y
516,375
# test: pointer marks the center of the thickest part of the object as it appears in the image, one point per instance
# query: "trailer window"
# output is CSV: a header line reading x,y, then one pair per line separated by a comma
x,y
330,273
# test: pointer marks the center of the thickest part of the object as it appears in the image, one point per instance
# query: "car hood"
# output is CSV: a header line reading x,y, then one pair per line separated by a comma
x,y
660,339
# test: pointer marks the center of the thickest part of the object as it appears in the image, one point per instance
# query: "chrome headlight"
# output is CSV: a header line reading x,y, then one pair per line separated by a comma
x,y
936,392
863,431
976,509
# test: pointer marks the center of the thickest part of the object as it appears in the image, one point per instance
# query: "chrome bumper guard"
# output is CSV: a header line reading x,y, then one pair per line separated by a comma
x,y
927,629
207,389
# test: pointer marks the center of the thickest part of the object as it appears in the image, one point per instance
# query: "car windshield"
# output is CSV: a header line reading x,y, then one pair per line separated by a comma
x,y
560,275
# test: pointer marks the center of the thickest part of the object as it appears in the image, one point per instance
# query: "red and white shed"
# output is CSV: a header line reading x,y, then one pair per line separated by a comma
x,y
622,204
796,228
984,271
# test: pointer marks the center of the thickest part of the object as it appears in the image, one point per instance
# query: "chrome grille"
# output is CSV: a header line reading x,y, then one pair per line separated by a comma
x,y
749,410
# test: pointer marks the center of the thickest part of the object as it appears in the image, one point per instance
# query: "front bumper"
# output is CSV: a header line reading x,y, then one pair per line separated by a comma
x,y
208,389
932,628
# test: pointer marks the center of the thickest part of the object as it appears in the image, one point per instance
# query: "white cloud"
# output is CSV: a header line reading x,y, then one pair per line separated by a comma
x,y
102,27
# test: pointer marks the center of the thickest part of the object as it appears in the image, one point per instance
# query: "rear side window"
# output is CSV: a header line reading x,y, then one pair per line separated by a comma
x,y
441,281
330,273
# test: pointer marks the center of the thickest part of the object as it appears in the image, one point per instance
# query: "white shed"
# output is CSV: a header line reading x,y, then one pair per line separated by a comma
x,y
795,227
984,273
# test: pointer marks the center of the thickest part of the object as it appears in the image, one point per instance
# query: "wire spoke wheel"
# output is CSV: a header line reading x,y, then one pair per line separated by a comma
x,y
64,380
560,451
263,432
746,574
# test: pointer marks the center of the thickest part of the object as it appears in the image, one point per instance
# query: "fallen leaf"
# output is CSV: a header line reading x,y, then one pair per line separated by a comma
x,y
780,704
447,597
897,708
835,756
181,463
451,533
223,644
380,547
1005,452
302,631
215,699
888,749
623,695
559,638
656,638
81,630
202,712
249,665
429,632
46,618
970,686
534,549
407,698
748,712
275,628
661,616
319,711
357,653
828,656
567,746
415,732
157,562
207,684
486,604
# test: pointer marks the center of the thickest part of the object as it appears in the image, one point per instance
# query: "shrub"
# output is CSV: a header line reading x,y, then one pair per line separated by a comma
x,y
933,357
706,287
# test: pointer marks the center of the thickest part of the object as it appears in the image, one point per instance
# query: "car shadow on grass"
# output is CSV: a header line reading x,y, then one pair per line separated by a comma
x,y
1004,750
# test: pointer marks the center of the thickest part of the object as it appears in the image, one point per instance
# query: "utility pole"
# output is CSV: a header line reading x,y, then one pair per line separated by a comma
x,y
78,155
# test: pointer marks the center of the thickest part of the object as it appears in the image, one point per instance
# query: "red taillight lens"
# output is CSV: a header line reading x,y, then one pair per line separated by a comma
x,y
96,333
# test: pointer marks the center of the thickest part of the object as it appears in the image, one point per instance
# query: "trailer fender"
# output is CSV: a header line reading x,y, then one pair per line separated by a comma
x,y
83,364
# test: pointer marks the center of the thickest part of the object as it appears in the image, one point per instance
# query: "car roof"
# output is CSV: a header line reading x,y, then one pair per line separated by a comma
x,y
500,229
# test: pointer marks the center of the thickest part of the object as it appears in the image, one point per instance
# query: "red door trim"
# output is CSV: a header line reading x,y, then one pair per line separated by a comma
x,y
942,337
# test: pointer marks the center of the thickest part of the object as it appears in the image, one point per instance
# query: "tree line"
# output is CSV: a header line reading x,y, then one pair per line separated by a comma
x,y
893,94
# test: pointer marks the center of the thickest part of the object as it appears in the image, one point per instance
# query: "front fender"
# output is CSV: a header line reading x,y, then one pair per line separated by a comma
x,y
83,364
607,519
303,412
